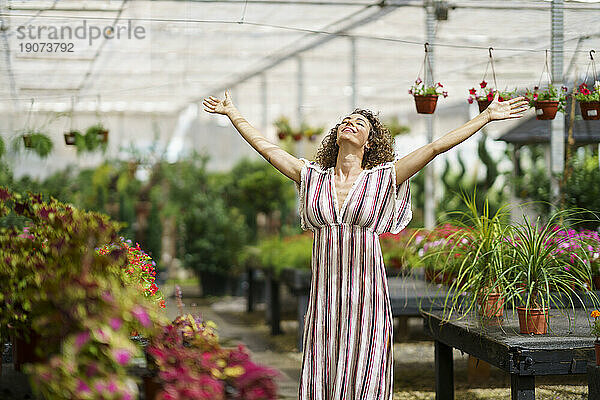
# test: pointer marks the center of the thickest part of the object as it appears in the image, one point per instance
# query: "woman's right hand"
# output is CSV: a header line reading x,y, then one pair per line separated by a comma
x,y
215,106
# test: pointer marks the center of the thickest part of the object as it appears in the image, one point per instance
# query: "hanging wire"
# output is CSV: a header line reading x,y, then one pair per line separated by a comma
x,y
547,70
592,63
29,115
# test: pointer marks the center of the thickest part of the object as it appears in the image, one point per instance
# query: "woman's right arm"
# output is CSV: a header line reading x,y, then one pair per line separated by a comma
x,y
286,163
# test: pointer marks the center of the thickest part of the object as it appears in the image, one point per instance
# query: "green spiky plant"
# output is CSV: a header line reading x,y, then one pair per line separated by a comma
x,y
476,257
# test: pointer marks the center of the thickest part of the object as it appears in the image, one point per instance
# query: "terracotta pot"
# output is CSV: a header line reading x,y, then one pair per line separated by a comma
x,y
492,306
590,109
535,322
425,104
281,135
70,138
24,350
596,281
103,136
545,109
27,141
483,104
597,348
297,137
429,274
152,387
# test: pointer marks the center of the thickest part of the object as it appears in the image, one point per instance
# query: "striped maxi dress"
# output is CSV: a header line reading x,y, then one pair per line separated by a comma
x,y
347,338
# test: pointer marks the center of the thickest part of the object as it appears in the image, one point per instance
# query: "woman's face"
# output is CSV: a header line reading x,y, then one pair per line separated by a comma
x,y
355,129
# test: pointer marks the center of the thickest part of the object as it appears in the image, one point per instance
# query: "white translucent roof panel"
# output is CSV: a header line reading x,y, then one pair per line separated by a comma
x,y
194,48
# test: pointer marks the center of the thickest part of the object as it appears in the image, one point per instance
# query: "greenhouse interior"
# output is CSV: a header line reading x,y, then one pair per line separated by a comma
x,y
299,199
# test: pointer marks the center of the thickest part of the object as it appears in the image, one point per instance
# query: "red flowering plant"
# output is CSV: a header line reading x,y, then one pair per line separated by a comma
x,y
550,93
487,93
192,364
400,251
138,271
73,301
584,94
422,89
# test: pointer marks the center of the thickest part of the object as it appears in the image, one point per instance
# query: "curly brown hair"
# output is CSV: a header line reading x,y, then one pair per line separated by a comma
x,y
380,150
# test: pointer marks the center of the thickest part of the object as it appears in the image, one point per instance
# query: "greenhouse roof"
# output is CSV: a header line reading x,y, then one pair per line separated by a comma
x,y
185,50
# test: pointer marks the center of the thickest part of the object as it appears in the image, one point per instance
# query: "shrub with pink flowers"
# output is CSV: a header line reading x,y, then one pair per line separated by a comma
x,y
57,287
192,365
422,89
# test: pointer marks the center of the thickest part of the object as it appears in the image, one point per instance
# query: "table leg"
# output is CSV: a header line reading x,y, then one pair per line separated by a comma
x,y
444,372
522,387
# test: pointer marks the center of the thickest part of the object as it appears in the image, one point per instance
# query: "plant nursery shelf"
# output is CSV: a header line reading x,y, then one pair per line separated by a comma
x,y
566,349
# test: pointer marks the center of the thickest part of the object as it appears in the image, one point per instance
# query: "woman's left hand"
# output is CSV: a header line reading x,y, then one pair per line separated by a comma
x,y
509,109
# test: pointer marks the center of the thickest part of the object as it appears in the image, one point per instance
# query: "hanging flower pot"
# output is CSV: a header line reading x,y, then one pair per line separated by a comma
x,y
38,142
71,137
426,95
590,110
533,320
589,101
297,136
546,109
483,104
99,131
27,142
281,135
425,103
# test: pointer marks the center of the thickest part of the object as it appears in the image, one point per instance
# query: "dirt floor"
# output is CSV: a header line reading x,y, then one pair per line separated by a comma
x,y
414,358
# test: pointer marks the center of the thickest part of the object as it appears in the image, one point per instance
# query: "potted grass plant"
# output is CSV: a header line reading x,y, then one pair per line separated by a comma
x,y
547,101
426,96
589,100
539,276
481,261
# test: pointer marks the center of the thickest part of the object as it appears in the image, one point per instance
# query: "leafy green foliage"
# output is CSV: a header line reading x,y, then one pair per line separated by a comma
x,y
39,143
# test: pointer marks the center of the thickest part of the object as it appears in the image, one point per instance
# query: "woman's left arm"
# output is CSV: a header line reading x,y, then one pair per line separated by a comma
x,y
412,163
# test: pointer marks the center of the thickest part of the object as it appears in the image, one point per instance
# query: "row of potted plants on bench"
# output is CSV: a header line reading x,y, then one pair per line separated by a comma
x,y
531,265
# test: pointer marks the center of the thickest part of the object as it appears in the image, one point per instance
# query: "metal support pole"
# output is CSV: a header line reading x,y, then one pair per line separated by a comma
x,y
353,72
265,106
557,140
430,203
300,99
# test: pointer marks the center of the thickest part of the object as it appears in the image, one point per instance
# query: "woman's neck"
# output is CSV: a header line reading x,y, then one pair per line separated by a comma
x,y
349,160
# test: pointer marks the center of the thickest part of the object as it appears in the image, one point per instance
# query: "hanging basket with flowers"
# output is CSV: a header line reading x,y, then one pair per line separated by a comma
x,y
424,93
283,127
589,99
549,100
485,95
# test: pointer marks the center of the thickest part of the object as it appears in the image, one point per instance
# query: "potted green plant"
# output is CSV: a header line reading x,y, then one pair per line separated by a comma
x,y
311,132
589,101
283,127
547,101
596,332
486,94
426,96
100,131
38,142
96,136
395,127
539,275
480,263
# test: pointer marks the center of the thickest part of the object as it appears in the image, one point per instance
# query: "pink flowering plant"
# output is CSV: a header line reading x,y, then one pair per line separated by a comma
x,y
422,89
584,94
139,271
56,286
549,93
487,93
192,364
